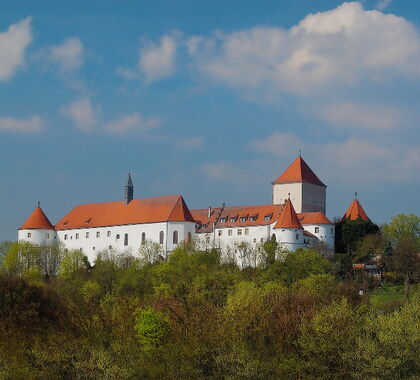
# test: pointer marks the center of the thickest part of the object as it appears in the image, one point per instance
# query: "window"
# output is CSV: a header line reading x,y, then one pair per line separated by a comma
x,y
243,218
255,240
229,232
239,231
175,237
87,235
65,237
246,231
117,237
71,237
262,240
297,236
316,230
47,235
143,237
98,234
332,230
126,239
223,220
208,239
77,236
234,219
29,234
273,237
108,234
253,218
161,237
93,248
268,217
219,233
110,247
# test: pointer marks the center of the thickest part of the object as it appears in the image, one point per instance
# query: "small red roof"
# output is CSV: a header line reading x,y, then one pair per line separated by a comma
x,y
355,211
288,217
149,210
299,171
37,221
313,218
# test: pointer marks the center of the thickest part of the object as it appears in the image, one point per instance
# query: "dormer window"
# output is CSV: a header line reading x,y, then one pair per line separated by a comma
x,y
243,218
253,218
65,222
316,230
222,220
88,220
268,217
234,219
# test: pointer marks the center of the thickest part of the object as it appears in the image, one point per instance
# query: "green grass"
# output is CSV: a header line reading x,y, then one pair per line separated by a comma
x,y
387,294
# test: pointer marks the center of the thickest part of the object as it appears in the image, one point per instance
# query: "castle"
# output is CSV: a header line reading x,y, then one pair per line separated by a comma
x,y
295,219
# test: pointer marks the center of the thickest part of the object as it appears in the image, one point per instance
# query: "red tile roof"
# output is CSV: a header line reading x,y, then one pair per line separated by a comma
x,y
37,220
288,218
307,233
243,216
299,171
313,218
149,210
355,211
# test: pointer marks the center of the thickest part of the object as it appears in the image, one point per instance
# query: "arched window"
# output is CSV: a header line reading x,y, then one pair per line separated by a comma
x,y
161,237
117,237
126,239
189,238
175,237
143,237
273,237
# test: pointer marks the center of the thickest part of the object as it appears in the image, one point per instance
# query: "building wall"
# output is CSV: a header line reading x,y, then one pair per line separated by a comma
x,y
313,198
289,238
281,193
102,238
324,233
38,237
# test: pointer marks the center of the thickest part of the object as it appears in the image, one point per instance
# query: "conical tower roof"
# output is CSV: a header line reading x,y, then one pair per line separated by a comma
x,y
288,217
355,211
299,171
37,221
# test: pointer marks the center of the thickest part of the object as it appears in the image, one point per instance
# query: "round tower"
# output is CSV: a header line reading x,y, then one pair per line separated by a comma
x,y
37,229
288,229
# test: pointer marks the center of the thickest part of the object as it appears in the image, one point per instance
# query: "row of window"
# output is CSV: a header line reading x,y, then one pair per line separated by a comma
x,y
175,238
244,218
317,230
230,232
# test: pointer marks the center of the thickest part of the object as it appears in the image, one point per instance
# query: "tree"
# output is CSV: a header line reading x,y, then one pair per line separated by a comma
x,y
403,226
4,248
152,328
72,261
151,252
349,232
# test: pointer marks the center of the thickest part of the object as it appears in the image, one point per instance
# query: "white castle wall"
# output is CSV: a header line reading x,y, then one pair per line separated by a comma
x,y
289,238
324,232
282,191
38,237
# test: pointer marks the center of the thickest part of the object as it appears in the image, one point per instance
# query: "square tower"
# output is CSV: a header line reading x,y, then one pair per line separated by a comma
x,y
300,183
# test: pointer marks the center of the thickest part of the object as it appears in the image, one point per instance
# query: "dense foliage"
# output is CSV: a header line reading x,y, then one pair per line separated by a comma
x,y
192,316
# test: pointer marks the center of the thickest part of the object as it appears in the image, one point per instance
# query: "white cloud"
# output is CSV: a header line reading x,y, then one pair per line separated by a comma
x,y
157,61
350,160
69,55
352,115
31,125
82,113
190,143
133,123
343,47
381,5
13,44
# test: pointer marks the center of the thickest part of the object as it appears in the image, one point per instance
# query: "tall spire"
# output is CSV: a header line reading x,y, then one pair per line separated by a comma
x,y
128,190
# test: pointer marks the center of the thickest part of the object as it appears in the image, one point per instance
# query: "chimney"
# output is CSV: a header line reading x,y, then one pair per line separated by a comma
x,y
209,212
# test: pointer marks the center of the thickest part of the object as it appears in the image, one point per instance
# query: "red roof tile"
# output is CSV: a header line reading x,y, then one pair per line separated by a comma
x,y
313,218
149,210
37,220
355,211
288,218
299,171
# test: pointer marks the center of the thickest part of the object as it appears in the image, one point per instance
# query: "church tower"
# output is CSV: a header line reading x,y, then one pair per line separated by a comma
x,y
300,183
128,190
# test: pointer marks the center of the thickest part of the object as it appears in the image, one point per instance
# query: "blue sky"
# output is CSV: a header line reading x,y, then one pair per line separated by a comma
x,y
210,99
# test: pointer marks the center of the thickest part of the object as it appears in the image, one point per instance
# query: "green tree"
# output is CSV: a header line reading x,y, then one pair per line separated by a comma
x,y
72,261
403,226
152,328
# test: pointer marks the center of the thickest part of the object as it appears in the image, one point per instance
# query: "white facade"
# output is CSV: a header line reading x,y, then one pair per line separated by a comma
x,y
306,197
38,236
121,238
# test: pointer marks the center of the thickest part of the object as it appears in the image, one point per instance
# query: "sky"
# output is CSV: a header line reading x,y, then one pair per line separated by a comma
x,y
211,99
